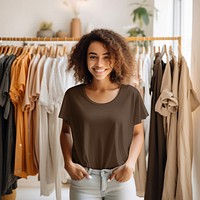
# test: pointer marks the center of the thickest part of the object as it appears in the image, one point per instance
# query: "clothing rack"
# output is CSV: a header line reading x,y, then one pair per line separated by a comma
x,y
130,39
66,39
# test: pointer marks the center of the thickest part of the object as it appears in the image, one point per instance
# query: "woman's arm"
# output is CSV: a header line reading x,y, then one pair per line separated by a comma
x,y
124,172
136,145
75,170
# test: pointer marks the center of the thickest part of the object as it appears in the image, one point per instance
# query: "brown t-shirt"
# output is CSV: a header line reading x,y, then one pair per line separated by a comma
x,y
102,132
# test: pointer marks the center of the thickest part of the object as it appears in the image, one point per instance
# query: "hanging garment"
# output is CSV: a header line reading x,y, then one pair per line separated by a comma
x,y
34,95
188,102
167,106
147,97
137,82
24,162
171,169
157,138
28,105
8,181
46,172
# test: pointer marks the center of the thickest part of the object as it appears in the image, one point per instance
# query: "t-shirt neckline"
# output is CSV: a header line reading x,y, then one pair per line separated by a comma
x,y
97,103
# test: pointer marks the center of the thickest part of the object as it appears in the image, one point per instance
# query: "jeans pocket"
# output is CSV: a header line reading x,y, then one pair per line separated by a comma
x,y
79,179
121,182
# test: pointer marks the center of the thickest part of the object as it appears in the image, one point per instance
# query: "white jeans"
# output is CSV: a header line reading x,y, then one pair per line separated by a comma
x,y
99,188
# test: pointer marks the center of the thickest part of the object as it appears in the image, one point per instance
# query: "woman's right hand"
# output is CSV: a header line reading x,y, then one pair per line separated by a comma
x,y
76,171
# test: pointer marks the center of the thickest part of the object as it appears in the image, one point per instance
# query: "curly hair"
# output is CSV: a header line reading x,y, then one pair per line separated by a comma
x,y
116,46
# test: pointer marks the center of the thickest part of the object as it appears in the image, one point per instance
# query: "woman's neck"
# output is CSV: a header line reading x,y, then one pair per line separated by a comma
x,y
102,85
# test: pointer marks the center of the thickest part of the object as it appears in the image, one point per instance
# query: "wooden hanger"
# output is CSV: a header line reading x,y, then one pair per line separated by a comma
x,y
164,52
179,53
45,51
154,50
1,49
65,51
32,49
38,49
60,51
57,51
171,52
10,49
13,49
5,49
52,51
143,49
18,51
148,50
22,52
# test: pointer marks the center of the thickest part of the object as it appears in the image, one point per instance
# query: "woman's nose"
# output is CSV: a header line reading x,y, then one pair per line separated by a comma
x,y
100,62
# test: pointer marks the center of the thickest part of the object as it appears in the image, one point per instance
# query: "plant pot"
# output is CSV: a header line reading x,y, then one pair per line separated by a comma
x,y
75,28
45,33
61,34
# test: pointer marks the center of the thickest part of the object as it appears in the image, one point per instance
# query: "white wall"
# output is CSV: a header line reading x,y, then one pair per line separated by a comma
x,y
163,24
168,24
22,18
186,31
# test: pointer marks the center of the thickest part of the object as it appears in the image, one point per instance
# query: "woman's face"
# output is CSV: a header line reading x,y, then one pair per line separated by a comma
x,y
99,61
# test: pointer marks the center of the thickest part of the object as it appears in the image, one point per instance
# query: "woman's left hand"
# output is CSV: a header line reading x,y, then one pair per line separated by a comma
x,y
122,173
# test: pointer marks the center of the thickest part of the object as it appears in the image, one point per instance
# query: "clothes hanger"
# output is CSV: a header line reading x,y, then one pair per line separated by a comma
x,y
10,49
45,51
171,52
165,53
32,49
5,50
22,52
179,53
65,51
154,50
13,49
1,49
52,51
148,49
137,49
143,49
57,51
18,51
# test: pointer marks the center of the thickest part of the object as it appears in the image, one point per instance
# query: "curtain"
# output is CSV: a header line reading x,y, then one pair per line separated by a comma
x,y
195,71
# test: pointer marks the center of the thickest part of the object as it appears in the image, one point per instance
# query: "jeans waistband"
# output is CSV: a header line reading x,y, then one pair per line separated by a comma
x,y
101,172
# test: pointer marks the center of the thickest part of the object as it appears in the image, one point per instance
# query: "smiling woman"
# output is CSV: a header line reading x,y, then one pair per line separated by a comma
x,y
99,62
104,117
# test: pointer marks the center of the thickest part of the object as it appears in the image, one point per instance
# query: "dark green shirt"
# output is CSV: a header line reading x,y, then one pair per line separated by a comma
x,y
102,132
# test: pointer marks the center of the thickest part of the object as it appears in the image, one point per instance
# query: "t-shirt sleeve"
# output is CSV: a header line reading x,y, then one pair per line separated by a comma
x,y
140,111
65,108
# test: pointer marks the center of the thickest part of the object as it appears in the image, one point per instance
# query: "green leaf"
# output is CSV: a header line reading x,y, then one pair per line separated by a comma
x,y
146,19
140,14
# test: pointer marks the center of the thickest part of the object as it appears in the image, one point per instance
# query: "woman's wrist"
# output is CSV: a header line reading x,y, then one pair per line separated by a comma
x,y
68,164
130,166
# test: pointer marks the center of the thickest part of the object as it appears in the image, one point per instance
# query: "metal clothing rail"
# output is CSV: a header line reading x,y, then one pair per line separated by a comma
x,y
129,39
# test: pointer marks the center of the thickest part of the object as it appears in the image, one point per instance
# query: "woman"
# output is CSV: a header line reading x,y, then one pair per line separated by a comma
x,y
103,116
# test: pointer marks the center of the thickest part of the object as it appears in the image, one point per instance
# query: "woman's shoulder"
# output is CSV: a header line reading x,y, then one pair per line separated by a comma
x,y
129,88
131,92
75,88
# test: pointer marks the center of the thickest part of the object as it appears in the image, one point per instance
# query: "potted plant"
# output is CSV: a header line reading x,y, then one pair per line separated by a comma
x,y
141,17
45,30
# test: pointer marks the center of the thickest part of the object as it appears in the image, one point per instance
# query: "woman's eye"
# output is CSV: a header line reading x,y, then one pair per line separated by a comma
x,y
93,57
